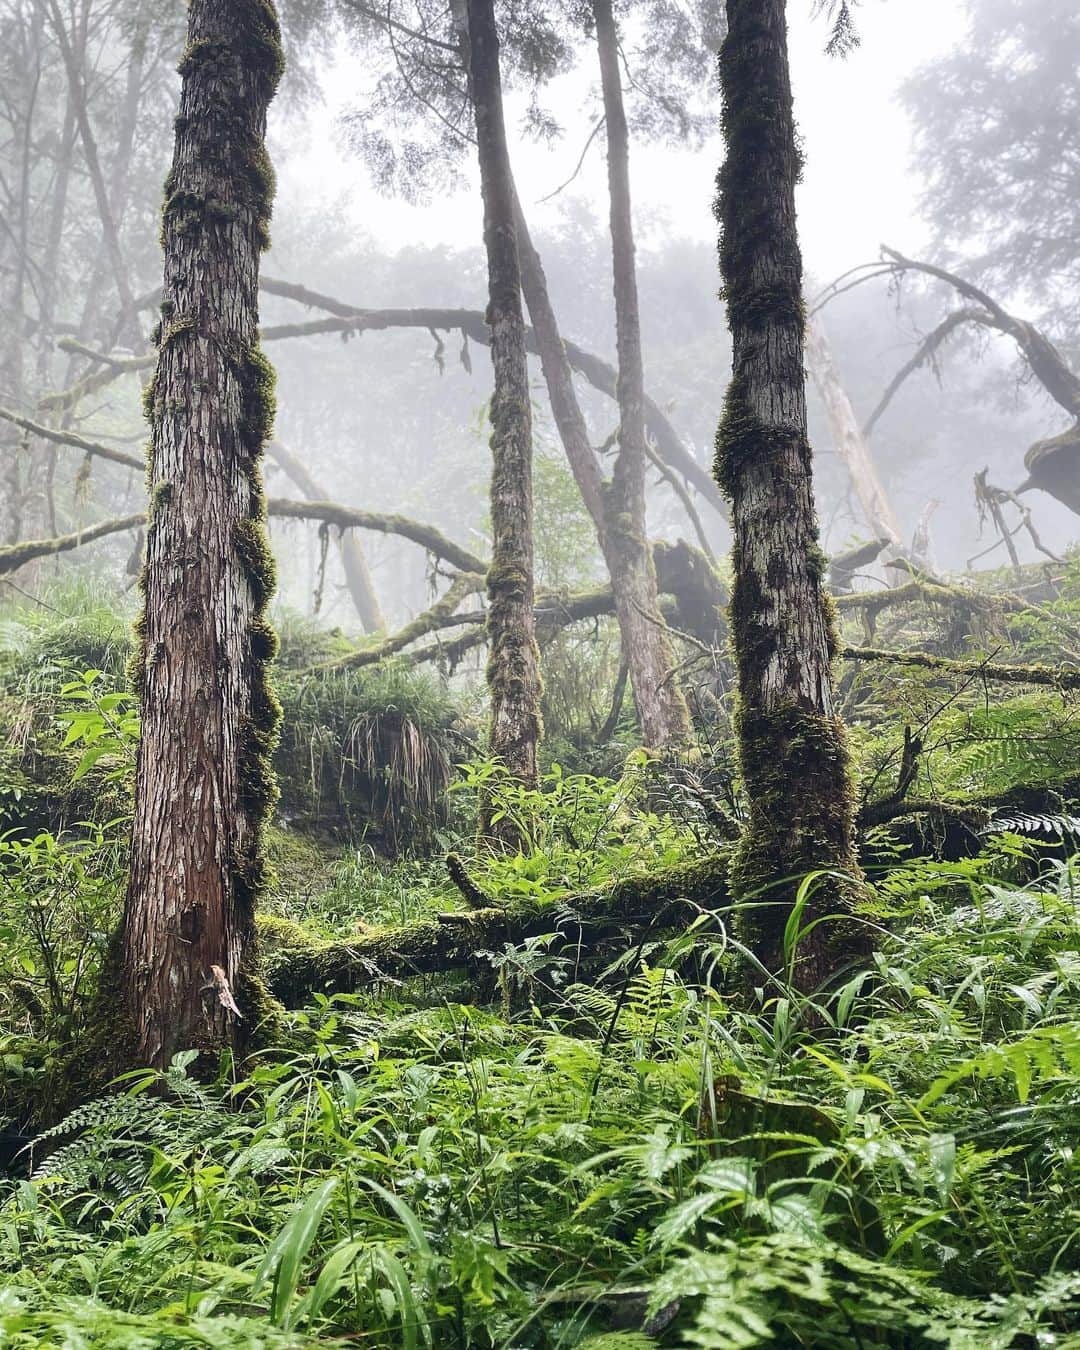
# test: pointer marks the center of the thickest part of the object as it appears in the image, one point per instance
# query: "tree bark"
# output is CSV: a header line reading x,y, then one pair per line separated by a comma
x,y
513,662
792,748
209,716
662,711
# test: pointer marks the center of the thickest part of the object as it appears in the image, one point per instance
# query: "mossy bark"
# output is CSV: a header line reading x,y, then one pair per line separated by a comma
x,y
605,919
791,741
662,710
209,716
513,670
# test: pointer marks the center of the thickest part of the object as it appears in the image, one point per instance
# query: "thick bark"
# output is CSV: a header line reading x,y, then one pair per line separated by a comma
x,y
513,662
209,717
661,707
353,559
792,748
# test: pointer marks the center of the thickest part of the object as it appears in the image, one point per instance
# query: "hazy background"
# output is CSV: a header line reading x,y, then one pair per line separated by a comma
x,y
378,424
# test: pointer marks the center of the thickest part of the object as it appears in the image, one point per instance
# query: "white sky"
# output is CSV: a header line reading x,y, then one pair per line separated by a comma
x,y
860,186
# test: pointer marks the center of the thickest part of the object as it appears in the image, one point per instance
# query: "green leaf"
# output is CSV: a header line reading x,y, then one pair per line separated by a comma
x,y
286,1253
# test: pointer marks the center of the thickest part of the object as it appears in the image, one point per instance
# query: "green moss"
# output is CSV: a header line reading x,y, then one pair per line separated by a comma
x,y
258,402
160,496
177,326
742,438
792,760
252,544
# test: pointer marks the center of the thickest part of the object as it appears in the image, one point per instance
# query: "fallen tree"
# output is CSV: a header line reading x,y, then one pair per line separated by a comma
x,y
603,922
297,967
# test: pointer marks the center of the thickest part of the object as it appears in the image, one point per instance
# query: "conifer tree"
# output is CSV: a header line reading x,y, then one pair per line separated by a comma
x,y
209,717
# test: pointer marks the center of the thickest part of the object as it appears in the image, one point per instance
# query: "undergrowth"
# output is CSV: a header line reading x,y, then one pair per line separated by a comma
x,y
651,1160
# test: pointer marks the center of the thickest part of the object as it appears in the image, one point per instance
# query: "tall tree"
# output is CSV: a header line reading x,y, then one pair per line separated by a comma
x,y
539,45
792,749
203,782
513,661
662,709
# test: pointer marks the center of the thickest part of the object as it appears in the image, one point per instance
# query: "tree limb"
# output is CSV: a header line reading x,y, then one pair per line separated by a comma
x,y
1054,677
77,442
634,905
14,556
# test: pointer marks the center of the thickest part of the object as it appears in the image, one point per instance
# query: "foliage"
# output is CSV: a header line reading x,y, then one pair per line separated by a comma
x,y
368,750
654,1160
578,830
60,899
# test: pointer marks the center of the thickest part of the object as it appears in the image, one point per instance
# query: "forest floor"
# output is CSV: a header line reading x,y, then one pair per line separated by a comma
x,y
598,1144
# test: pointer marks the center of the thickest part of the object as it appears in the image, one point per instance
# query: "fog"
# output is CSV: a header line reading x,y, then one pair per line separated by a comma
x,y
393,420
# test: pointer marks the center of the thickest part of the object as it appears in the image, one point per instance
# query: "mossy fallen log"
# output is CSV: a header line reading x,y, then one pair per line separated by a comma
x,y
606,920
603,918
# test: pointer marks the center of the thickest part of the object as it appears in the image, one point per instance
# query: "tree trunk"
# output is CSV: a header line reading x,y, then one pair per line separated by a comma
x,y
353,558
848,437
661,707
638,641
513,661
792,746
203,783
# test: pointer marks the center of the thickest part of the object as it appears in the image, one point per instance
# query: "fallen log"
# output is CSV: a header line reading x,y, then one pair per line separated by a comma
x,y
297,968
1056,677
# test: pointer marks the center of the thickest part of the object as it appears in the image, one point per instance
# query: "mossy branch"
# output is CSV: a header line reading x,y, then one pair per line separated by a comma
x,y
345,517
77,442
348,517
976,812
987,670
440,615
599,919
14,556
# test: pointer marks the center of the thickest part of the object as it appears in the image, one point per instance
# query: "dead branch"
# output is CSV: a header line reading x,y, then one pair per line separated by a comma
x,y
927,350
349,517
349,319
77,442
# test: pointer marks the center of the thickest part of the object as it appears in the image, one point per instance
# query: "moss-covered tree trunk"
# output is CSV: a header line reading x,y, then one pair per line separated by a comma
x,y
661,707
204,784
513,662
791,741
